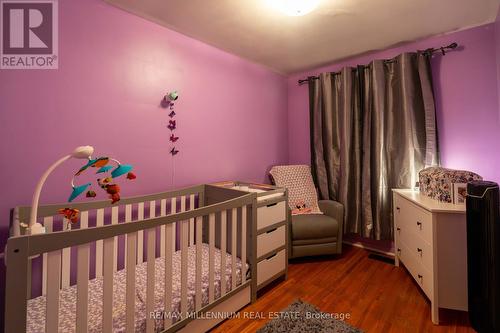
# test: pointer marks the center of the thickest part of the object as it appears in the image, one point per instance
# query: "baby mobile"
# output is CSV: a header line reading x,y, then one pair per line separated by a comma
x,y
168,101
107,173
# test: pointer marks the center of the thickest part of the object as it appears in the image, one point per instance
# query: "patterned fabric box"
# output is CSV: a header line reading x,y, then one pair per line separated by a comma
x,y
437,182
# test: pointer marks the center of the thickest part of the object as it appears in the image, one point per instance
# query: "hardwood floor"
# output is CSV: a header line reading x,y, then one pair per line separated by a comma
x,y
378,296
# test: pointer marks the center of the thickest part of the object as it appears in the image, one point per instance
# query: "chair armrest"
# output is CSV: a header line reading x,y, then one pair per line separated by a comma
x,y
333,209
336,210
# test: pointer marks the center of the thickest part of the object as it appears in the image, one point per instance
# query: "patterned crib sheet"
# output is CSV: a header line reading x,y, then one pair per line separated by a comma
x,y
67,302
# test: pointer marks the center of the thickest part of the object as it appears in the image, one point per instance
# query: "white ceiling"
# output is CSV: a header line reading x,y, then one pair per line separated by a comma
x,y
335,30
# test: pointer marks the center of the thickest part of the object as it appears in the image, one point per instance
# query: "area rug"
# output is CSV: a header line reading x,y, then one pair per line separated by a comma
x,y
301,317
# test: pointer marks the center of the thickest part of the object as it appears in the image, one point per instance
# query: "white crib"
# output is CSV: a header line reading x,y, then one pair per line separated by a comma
x,y
153,263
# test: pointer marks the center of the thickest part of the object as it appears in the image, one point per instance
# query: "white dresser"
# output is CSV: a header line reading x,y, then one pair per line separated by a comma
x,y
431,242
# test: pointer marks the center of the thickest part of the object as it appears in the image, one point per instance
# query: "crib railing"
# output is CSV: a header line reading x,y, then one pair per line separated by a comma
x,y
226,225
102,213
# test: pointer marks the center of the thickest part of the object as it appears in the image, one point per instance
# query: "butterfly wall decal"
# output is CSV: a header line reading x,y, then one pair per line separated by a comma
x,y
174,151
172,114
173,138
172,125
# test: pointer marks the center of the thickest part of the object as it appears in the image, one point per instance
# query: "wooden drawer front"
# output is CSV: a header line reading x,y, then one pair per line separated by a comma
x,y
414,218
420,249
271,214
270,240
420,274
271,266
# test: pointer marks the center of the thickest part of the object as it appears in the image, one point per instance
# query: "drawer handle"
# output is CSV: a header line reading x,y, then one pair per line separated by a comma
x,y
419,250
273,204
398,209
419,224
421,278
271,256
399,250
272,230
398,229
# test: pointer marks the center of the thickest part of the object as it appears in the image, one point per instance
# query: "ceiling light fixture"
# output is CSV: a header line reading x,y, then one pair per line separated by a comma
x,y
294,7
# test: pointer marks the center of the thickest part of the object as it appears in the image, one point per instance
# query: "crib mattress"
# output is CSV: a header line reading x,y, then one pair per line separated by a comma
x,y
67,303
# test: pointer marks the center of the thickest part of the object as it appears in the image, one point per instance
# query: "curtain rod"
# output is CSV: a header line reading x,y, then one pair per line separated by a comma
x,y
429,51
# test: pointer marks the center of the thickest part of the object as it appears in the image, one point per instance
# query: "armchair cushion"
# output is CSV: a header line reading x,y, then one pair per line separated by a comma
x,y
298,180
310,227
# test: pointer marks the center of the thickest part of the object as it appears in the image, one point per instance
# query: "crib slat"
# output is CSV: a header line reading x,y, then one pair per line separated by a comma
x,y
163,212
128,213
150,282
184,267
168,273
53,285
192,206
152,208
173,210
163,207
82,280
152,214
183,203
130,284
82,284
199,226
183,209
99,244
47,222
107,289
84,220
244,212
128,218
211,244
223,251
140,234
114,220
66,259
234,241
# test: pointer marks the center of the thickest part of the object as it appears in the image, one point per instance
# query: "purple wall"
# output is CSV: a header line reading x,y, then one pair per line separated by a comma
x,y
114,69
465,84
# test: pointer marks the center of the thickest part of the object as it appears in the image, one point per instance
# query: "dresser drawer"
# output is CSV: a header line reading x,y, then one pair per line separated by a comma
x,y
271,266
413,218
421,249
270,240
271,214
420,274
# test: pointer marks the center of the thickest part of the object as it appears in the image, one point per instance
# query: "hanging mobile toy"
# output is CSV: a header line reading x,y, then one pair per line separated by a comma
x,y
72,214
106,183
90,194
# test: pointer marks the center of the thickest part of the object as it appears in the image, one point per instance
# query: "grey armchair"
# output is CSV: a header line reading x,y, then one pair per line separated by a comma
x,y
310,234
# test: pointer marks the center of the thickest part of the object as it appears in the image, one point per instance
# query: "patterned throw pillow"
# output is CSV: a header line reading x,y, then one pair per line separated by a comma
x,y
302,196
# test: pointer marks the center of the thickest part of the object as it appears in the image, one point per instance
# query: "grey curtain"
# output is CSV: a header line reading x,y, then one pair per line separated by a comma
x,y
373,128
